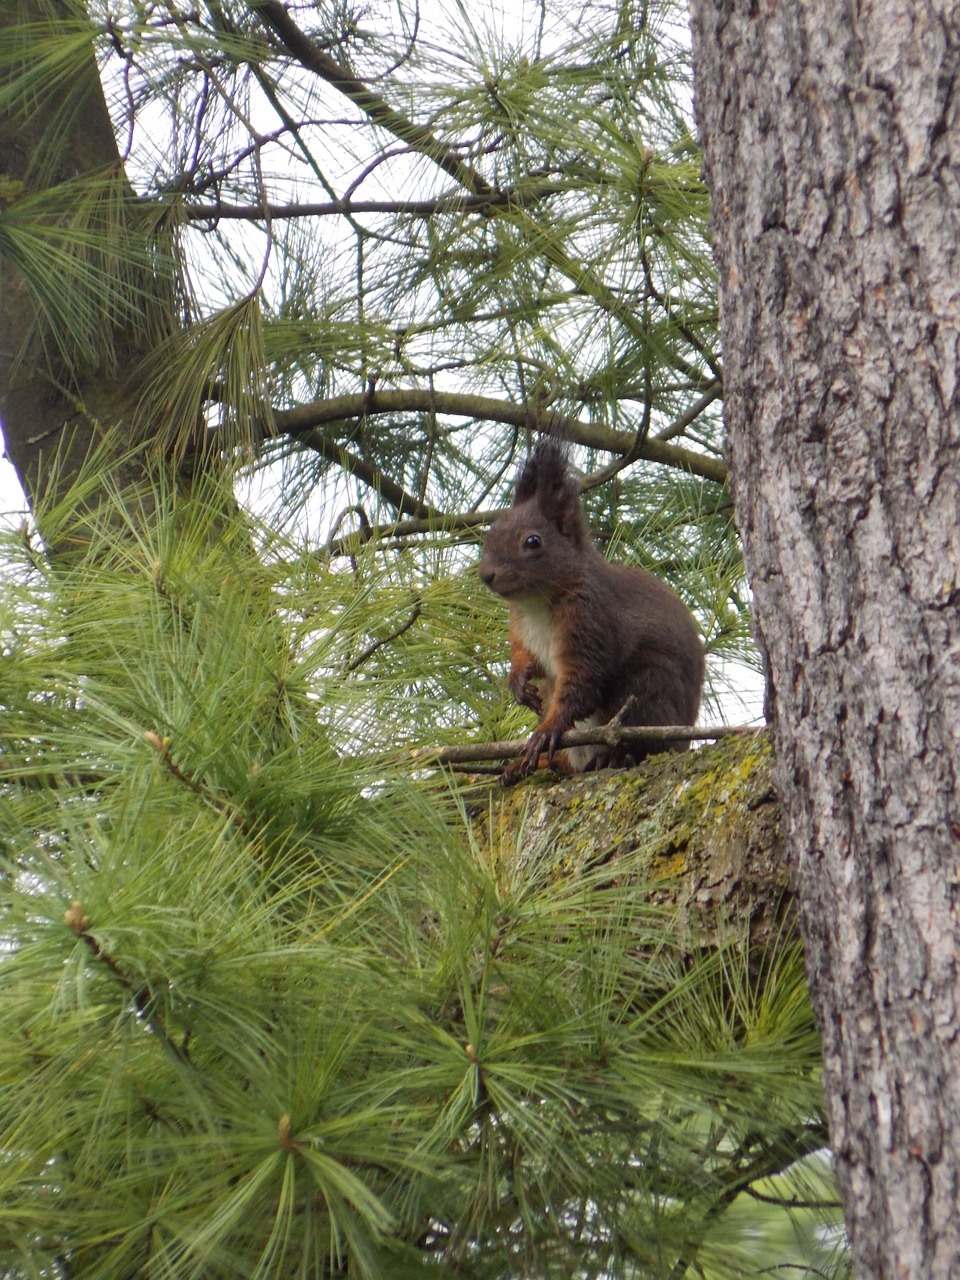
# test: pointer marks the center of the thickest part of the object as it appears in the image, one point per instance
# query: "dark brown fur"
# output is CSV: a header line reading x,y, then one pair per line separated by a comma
x,y
587,638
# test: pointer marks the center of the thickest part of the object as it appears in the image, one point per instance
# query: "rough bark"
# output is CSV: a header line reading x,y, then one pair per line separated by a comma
x,y
832,137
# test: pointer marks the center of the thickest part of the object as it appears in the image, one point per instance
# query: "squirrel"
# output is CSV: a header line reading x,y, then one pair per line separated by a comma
x,y
590,640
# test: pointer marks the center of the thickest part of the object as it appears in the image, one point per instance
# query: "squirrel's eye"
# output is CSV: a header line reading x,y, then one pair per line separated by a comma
x,y
532,542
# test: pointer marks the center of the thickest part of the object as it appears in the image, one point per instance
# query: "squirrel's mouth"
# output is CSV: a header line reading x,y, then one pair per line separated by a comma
x,y
512,593
499,589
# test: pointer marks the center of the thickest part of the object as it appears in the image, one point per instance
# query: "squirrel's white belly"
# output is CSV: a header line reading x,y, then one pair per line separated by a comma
x,y
536,632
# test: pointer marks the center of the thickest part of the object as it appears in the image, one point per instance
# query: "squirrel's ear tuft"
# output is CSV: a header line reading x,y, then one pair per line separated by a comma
x,y
544,473
546,476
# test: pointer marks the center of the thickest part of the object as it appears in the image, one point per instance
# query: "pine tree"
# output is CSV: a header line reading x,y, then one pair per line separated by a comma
x,y
281,305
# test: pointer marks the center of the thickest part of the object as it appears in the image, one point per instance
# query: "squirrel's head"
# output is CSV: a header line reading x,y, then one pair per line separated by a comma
x,y
538,547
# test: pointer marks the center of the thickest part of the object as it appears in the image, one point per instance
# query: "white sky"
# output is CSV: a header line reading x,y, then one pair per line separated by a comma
x,y
13,505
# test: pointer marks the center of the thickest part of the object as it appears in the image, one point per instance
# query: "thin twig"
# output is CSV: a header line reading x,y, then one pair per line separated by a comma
x,y
679,425
139,992
417,137
643,430
398,631
395,494
792,1202
452,202
608,735
162,748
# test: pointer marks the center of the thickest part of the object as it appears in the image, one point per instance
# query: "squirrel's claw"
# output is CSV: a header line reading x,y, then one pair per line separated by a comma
x,y
512,773
527,763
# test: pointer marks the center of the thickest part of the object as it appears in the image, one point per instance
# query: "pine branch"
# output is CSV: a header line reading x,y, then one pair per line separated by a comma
x,y
162,748
737,1177
454,522
663,301
687,419
355,663
607,735
792,1202
405,503
304,418
421,140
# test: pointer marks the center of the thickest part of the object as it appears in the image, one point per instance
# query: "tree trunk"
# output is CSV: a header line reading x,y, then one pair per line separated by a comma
x,y
48,412
832,137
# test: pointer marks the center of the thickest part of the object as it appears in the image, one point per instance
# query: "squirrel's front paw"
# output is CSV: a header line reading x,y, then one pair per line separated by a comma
x,y
523,686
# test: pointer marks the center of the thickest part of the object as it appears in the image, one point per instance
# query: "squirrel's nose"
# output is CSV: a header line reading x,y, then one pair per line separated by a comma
x,y
486,575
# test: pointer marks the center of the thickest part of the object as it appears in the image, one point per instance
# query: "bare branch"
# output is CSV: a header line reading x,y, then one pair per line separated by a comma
x,y
388,489
608,735
452,202
416,137
305,418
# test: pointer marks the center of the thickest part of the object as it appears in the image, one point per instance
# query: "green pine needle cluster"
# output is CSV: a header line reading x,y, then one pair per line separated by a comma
x,y
273,1006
